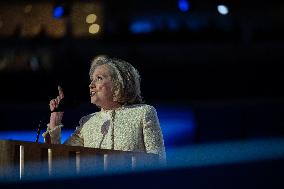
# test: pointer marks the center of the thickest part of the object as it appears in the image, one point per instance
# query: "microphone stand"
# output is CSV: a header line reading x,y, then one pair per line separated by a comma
x,y
38,131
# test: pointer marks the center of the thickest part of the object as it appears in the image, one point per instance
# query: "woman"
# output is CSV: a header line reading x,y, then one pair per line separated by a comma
x,y
123,123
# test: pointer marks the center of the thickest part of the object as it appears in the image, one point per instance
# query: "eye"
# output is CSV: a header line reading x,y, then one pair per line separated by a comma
x,y
99,78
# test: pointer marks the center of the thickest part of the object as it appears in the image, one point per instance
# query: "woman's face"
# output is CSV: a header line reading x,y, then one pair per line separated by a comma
x,y
101,87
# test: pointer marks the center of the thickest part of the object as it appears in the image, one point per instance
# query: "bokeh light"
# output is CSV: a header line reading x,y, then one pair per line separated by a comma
x,y
58,12
91,18
94,28
183,5
223,9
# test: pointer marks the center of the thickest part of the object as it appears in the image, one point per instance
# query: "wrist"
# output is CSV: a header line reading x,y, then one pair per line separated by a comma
x,y
51,126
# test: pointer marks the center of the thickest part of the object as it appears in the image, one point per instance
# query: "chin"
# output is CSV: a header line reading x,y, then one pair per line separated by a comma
x,y
93,101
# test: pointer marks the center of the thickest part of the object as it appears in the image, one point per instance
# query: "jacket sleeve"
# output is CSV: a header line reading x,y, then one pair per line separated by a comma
x,y
153,137
76,138
54,135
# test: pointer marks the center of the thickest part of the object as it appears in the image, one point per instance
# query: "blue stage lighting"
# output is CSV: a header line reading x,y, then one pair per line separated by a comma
x,y
177,124
30,136
173,25
183,5
58,12
142,26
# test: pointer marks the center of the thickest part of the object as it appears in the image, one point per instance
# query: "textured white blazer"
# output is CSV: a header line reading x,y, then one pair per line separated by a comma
x,y
129,128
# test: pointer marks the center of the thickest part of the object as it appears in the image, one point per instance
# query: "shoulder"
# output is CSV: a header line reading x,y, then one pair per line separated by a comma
x,y
149,114
86,118
141,107
145,110
148,108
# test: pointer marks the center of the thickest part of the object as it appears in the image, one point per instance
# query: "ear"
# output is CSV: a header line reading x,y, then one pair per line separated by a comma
x,y
115,94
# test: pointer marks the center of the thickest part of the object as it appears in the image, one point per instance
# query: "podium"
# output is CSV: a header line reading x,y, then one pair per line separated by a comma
x,y
19,160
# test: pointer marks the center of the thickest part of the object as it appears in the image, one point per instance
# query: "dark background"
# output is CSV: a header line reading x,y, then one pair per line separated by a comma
x,y
227,68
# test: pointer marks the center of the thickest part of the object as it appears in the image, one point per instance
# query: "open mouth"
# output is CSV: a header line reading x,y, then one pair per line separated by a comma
x,y
92,93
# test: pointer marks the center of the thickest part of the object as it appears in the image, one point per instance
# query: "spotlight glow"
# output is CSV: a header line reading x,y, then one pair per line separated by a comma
x,y
183,5
58,12
91,18
223,9
94,28
142,26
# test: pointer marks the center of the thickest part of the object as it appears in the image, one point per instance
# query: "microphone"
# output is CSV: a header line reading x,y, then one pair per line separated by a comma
x,y
38,131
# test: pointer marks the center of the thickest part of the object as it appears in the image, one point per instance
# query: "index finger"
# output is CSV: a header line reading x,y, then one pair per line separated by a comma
x,y
60,92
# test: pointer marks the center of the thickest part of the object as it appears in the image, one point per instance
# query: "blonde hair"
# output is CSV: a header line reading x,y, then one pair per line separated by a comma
x,y
125,78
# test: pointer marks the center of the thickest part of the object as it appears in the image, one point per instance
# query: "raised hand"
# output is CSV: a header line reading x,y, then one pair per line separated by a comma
x,y
56,116
54,103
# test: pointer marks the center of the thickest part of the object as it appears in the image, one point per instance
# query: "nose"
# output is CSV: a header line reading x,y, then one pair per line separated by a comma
x,y
92,85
